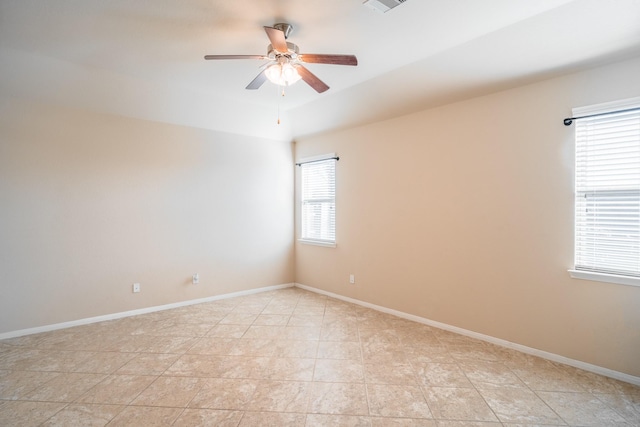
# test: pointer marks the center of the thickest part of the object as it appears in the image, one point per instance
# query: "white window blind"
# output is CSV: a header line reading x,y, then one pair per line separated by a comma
x,y
318,195
607,206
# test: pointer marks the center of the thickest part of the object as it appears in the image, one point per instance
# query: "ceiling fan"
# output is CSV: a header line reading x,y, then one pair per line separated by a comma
x,y
285,61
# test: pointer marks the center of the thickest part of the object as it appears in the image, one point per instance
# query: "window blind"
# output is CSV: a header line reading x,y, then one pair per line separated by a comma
x,y
607,205
318,201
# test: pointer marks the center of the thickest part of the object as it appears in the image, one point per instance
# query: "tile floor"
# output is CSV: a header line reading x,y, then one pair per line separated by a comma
x,y
291,358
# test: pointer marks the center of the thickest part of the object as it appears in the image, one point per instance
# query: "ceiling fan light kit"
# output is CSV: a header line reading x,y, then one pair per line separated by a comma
x,y
285,66
282,73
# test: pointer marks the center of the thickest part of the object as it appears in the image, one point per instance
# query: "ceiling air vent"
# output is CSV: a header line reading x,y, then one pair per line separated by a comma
x,y
382,5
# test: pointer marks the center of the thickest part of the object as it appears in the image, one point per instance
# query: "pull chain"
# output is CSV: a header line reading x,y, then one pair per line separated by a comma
x,y
280,96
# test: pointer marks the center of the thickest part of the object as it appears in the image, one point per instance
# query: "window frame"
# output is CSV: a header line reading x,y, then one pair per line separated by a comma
x,y
595,274
302,164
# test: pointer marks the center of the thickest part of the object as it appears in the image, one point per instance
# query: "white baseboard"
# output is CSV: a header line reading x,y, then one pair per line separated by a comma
x,y
120,315
503,343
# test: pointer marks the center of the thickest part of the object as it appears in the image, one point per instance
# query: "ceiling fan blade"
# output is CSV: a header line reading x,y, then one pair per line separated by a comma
x,y
328,59
277,39
235,57
258,81
311,79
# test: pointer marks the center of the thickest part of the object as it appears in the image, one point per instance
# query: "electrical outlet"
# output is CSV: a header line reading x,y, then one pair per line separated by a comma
x,y
136,287
195,279
352,278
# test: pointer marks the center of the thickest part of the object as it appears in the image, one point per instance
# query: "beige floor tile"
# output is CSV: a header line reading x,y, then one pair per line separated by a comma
x,y
61,339
448,337
397,401
308,310
183,329
196,365
458,404
292,357
339,350
472,352
214,346
483,373
416,337
294,348
280,396
208,418
334,370
301,333
228,331
517,405
548,378
272,319
238,318
105,342
175,345
223,306
390,373
170,392
282,368
83,415
374,352
65,387
449,423
252,347
339,333
223,393
627,405
399,323
117,389
245,367
202,315
278,309
148,364
582,409
338,398
306,320
402,422
272,419
15,357
322,420
26,414
595,383
441,375
56,361
145,416
333,319
373,323
104,363
385,336
249,307
264,332
16,384
129,343
427,354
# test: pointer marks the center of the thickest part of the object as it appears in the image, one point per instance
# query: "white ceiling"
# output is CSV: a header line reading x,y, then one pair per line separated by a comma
x,y
144,58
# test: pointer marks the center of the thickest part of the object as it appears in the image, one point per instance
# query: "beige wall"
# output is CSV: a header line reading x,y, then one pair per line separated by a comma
x,y
463,214
91,203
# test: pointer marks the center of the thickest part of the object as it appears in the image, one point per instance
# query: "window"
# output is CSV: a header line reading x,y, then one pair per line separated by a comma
x,y
318,200
607,195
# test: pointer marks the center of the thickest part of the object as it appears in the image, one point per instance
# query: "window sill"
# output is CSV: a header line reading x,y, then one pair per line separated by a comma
x,y
318,243
604,277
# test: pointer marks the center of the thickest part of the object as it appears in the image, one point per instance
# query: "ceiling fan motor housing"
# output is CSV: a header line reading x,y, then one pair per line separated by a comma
x,y
292,51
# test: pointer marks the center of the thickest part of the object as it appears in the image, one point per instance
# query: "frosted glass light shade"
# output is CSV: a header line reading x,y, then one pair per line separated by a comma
x,y
282,74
